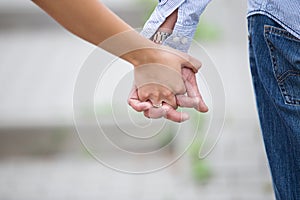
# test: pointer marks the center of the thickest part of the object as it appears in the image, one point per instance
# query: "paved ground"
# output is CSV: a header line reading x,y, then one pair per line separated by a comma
x,y
238,166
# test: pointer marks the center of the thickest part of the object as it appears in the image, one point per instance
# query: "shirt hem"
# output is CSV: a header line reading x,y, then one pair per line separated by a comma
x,y
286,27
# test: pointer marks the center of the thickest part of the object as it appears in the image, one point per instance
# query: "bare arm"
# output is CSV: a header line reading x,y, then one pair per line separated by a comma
x,y
94,22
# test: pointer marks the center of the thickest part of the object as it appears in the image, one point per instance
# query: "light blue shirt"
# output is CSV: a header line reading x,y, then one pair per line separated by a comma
x,y
189,12
284,12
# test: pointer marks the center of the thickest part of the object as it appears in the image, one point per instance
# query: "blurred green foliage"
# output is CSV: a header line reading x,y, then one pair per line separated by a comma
x,y
167,137
200,169
147,6
207,31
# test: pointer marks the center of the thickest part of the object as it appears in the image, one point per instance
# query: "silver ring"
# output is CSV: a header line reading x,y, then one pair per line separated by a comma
x,y
157,105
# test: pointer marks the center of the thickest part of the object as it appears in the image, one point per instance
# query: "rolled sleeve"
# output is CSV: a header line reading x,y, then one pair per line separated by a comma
x,y
163,9
189,12
188,18
181,38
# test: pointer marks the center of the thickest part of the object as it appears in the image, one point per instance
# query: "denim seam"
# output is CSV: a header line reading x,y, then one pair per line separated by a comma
x,y
288,73
263,12
280,32
287,98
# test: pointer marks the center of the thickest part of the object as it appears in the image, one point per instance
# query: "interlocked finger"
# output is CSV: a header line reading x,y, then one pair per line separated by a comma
x,y
193,98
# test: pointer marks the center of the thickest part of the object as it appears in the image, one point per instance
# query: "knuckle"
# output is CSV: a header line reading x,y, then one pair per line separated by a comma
x,y
195,62
173,118
172,102
143,95
138,109
197,101
167,93
155,94
130,103
175,106
180,89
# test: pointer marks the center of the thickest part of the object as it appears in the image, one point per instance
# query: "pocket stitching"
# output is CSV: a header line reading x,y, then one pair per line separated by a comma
x,y
280,32
287,74
288,99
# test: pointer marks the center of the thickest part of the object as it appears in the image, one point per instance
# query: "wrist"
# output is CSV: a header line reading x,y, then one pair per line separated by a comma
x,y
142,56
130,46
169,24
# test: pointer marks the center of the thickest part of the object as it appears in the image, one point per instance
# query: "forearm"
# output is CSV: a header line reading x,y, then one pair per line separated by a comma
x,y
93,22
169,23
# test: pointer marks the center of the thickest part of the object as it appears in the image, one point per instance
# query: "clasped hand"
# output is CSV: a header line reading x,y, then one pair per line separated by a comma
x,y
165,81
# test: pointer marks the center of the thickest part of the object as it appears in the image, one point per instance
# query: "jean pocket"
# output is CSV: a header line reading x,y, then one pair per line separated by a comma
x,y
285,54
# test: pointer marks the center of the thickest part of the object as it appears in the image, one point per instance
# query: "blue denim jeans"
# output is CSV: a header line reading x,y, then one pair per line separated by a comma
x,y
275,66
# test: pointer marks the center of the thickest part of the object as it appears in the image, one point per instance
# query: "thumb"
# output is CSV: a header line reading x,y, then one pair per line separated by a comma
x,y
192,63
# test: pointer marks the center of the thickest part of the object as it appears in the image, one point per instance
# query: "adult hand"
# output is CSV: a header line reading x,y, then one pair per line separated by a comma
x,y
159,78
192,100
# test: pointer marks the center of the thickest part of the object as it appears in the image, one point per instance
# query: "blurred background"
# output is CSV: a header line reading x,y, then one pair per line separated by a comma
x,y
41,156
